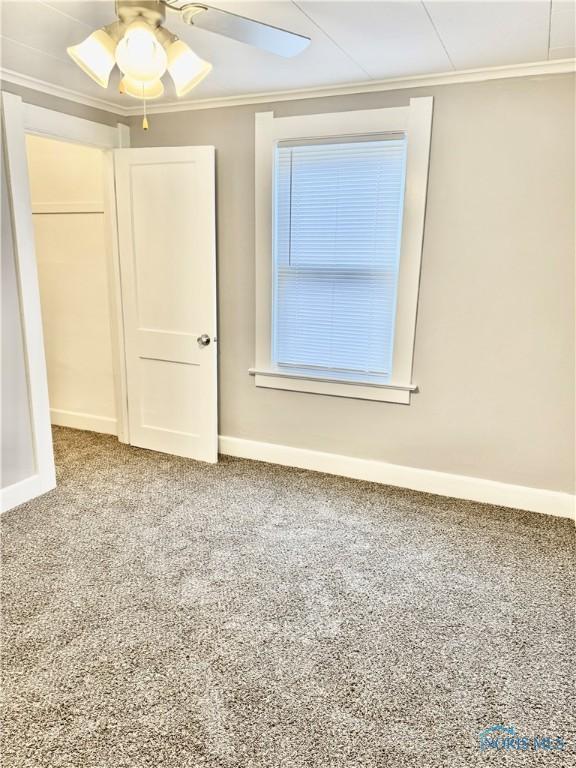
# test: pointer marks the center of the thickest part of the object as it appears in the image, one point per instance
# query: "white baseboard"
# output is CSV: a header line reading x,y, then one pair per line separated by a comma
x,y
19,493
89,421
429,481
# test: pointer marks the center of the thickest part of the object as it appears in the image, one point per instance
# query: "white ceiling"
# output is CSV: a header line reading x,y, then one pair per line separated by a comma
x,y
352,42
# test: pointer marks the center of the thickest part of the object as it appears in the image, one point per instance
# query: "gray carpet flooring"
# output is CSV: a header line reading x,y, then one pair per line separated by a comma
x,y
161,612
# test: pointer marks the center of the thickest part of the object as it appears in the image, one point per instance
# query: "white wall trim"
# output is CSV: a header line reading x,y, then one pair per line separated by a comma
x,y
28,287
21,492
428,481
115,290
90,421
532,69
35,84
19,118
559,66
58,125
415,120
351,389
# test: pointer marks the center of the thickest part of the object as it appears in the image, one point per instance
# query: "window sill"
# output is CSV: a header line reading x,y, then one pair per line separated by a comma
x,y
387,393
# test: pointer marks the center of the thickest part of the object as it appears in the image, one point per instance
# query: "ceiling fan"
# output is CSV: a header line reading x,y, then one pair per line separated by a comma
x,y
144,50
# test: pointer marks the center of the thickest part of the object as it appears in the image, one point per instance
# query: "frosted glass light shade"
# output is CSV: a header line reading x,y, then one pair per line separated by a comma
x,y
95,56
139,54
185,67
139,89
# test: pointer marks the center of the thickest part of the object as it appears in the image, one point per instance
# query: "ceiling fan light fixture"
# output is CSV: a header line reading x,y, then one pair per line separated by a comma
x,y
95,55
186,68
138,89
140,55
144,50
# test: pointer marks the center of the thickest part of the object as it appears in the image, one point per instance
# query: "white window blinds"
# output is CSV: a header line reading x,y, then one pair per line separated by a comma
x,y
337,233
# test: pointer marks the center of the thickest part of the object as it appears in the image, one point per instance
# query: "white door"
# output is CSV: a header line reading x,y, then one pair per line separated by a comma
x,y
167,244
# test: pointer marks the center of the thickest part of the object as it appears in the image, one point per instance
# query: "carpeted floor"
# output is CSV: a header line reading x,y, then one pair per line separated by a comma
x,y
161,612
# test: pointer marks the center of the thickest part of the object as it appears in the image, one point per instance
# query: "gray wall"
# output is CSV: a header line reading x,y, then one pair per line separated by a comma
x,y
40,99
17,442
494,355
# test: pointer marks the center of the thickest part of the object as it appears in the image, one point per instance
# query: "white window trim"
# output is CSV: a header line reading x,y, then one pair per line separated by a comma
x,y
415,121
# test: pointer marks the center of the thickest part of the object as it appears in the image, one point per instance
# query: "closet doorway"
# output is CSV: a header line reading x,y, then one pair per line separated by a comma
x,y
68,209
27,434
114,288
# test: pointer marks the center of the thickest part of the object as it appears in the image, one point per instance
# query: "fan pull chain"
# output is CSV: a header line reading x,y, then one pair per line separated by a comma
x,y
145,119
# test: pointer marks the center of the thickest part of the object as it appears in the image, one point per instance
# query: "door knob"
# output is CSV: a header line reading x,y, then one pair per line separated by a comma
x,y
203,340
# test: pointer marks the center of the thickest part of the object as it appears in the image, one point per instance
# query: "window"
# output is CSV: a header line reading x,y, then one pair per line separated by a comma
x,y
336,250
340,210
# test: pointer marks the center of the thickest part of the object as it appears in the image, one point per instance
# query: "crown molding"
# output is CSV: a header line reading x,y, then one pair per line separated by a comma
x,y
559,66
25,81
534,69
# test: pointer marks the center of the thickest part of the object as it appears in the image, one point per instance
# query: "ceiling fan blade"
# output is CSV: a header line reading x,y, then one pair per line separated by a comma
x,y
245,30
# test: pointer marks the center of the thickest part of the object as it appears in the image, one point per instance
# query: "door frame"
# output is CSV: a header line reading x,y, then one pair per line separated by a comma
x,y
18,119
